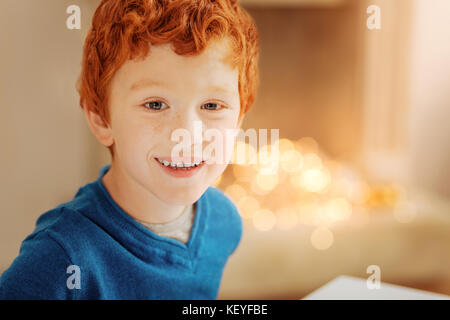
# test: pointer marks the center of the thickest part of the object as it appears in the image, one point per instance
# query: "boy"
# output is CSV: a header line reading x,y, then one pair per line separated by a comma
x,y
149,227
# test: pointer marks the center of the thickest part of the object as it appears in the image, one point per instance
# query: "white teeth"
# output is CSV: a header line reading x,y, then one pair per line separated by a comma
x,y
179,164
193,164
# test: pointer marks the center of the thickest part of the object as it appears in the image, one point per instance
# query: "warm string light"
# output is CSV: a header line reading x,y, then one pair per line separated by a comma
x,y
306,189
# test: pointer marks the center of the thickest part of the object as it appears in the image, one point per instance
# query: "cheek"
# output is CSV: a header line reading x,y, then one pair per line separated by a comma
x,y
135,138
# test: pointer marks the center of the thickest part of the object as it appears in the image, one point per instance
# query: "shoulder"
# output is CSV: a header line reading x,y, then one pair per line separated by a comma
x,y
60,237
61,224
224,214
70,223
38,272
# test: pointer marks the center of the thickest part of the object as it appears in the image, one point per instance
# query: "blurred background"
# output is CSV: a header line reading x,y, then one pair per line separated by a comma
x,y
364,141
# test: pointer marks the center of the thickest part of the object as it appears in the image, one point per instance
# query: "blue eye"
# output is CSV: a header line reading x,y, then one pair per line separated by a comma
x,y
155,105
212,106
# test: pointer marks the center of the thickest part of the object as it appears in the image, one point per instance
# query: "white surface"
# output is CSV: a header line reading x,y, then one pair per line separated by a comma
x,y
350,288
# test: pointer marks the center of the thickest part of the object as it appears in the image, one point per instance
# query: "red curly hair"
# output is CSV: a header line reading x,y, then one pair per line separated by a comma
x,y
126,29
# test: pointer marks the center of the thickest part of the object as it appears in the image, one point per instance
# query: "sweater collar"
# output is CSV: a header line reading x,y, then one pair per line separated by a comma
x,y
139,239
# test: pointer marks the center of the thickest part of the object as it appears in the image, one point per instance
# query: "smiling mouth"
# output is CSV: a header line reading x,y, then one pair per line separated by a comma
x,y
181,166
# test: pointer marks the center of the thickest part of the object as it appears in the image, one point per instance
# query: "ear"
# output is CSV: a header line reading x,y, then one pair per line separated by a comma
x,y
99,128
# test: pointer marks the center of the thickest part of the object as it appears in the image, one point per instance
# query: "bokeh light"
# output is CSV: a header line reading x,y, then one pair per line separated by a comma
x,y
235,191
337,209
291,161
307,189
266,182
309,212
247,206
264,220
287,218
311,161
308,144
322,238
312,180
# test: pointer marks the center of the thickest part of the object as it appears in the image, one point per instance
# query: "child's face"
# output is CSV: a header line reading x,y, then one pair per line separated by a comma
x,y
151,98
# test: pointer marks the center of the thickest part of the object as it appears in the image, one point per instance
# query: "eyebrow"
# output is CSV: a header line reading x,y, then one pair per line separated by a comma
x,y
146,83
153,83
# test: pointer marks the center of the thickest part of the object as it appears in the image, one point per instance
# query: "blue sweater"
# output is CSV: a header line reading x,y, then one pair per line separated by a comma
x,y
89,248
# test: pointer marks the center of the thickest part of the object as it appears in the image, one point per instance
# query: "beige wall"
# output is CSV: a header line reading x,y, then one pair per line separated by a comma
x,y
47,150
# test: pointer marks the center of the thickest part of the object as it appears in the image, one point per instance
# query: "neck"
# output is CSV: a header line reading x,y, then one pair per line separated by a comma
x,y
136,201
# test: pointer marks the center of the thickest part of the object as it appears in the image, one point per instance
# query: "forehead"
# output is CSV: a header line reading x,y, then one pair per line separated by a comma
x,y
162,64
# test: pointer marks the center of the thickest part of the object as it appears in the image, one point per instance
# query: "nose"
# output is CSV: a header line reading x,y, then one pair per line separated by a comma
x,y
186,119
187,128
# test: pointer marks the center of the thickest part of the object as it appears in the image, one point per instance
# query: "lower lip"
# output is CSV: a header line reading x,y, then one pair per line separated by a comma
x,y
178,172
